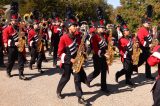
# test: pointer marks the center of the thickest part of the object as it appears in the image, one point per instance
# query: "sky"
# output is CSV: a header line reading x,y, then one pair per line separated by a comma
x,y
115,3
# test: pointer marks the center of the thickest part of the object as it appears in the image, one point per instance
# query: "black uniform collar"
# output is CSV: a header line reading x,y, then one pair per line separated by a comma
x,y
127,37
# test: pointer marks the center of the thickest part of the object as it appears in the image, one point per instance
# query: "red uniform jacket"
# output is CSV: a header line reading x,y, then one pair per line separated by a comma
x,y
144,37
92,30
55,29
1,39
1,29
154,59
4,26
125,48
99,44
68,47
32,37
10,35
78,33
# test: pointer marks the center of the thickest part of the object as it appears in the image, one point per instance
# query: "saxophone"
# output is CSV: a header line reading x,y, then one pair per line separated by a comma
x,y
155,41
21,39
39,42
110,51
136,51
80,57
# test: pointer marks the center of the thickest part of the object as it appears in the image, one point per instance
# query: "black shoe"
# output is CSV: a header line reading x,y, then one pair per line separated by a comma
x,y
60,96
50,54
88,83
22,77
26,63
9,75
30,66
150,77
54,66
117,76
39,70
130,83
47,49
105,91
3,66
82,101
45,60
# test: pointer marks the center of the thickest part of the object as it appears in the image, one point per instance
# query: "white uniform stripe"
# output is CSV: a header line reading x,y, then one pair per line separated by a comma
x,y
73,47
156,54
9,42
144,44
102,46
72,53
62,57
72,43
101,43
125,54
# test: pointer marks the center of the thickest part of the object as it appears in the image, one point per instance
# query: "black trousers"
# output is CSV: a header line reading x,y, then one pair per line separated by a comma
x,y
143,58
21,62
13,54
36,55
78,78
156,93
46,42
56,39
1,55
29,49
1,50
127,69
100,66
51,44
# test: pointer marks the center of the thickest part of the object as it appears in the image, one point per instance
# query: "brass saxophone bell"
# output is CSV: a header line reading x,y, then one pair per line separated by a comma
x,y
28,18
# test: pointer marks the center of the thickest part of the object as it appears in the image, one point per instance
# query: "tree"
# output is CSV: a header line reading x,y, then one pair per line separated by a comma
x,y
84,8
133,10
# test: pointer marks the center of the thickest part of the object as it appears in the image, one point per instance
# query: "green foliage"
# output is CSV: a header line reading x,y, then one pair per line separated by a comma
x,y
83,8
133,10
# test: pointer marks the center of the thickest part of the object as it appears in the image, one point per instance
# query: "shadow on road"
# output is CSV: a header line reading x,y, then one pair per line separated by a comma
x,y
120,87
47,71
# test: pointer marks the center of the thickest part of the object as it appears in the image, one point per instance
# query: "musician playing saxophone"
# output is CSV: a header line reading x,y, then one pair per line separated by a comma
x,y
10,39
99,45
126,50
33,39
154,59
67,51
145,39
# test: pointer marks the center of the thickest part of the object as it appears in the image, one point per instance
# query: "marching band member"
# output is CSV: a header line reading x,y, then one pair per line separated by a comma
x,y
126,50
56,33
99,45
33,37
145,39
1,47
36,42
67,51
10,39
153,60
45,35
